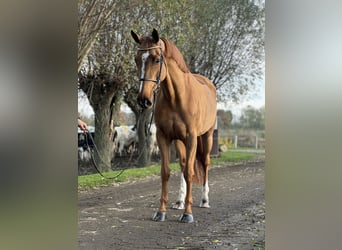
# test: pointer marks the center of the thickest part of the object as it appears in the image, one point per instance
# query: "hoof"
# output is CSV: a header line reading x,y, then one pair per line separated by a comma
x,y
159,216
187,218
204,204
178,205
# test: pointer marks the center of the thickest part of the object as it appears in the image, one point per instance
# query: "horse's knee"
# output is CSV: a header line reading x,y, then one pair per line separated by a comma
x,y
165,174
207,161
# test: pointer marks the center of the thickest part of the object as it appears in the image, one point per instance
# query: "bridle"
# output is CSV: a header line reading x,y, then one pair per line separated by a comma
x,y
161,61
156,81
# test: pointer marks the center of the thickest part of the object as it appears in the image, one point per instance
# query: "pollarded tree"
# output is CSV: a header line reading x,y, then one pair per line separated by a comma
x,y
227,44
102,77
102,91
108,74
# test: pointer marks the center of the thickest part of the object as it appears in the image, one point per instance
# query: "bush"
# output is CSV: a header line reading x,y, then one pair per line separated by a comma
x,y
226,141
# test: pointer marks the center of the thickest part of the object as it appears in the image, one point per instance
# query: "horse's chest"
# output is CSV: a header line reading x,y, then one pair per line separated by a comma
x,y
172,126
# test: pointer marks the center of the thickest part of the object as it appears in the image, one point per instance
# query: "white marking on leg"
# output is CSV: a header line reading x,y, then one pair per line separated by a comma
x,y
205,192
143,62
182,189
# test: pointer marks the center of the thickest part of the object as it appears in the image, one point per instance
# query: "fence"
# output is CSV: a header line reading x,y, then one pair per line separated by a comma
x,y
247,141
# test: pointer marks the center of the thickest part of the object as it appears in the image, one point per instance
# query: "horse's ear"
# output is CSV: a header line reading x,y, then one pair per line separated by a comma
x,y
155,35
135,36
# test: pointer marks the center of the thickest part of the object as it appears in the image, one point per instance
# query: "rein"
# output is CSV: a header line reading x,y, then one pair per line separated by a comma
x,y
88,134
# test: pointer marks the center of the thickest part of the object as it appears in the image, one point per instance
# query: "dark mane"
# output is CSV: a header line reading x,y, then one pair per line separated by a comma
x,y
173,52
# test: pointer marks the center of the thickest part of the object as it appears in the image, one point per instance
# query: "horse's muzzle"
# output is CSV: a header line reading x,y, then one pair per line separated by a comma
x,y
144,103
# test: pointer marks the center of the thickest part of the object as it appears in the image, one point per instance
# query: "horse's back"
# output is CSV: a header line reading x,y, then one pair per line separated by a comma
x,y
206,96
205,93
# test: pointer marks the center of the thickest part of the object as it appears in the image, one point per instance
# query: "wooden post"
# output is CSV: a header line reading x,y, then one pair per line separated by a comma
x,y
256,142
215,148
235,141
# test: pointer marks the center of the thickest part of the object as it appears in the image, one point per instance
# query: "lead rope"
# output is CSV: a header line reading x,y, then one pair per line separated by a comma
x,y
155,92
149,128
88,134
152,115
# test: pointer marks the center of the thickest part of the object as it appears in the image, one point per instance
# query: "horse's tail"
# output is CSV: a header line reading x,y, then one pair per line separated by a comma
x,y
199,170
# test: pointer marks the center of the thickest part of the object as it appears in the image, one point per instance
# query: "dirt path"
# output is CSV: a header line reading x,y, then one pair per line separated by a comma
x,y
119,216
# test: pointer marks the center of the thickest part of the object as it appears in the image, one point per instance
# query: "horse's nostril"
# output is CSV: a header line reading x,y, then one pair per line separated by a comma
x,y
147,103
140,102
144,102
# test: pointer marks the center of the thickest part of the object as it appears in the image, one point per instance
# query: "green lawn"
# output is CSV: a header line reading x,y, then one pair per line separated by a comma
x,y
87,181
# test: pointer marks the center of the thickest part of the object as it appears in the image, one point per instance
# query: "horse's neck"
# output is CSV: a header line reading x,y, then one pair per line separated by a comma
x,y
174,84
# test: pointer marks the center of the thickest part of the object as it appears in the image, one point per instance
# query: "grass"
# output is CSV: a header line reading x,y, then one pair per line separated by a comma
x,y
94,180
232,156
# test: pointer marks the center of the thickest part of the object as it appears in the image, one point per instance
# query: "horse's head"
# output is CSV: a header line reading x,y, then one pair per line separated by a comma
x,y
150,64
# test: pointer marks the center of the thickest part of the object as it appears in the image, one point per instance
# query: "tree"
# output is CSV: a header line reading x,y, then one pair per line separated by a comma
x,y
252,118
108,75
224,118
92,17
102,92
227,44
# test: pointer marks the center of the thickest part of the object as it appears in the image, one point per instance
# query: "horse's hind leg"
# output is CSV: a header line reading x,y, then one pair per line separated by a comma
x,y
207,140
180,147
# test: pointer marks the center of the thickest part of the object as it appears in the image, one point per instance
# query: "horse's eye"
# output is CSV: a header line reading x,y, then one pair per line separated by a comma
x,y
157,60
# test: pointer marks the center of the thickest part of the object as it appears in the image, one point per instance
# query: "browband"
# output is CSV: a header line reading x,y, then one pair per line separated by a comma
x,y
154,47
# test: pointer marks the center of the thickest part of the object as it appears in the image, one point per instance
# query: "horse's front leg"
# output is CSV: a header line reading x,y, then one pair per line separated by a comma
x,y
191,146
207,140
181,195
164,147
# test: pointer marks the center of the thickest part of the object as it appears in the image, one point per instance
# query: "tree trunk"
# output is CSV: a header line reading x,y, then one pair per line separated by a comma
x,y
103,142
103,95
144,152
114,114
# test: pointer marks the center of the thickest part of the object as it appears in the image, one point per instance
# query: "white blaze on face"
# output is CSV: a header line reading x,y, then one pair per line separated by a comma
x,y
143,62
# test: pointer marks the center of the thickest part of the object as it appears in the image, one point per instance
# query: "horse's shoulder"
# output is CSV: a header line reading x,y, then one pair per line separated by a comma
x,y
203,80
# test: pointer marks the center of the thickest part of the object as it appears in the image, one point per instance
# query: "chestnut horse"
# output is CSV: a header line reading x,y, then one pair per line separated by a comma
x,y
185,112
